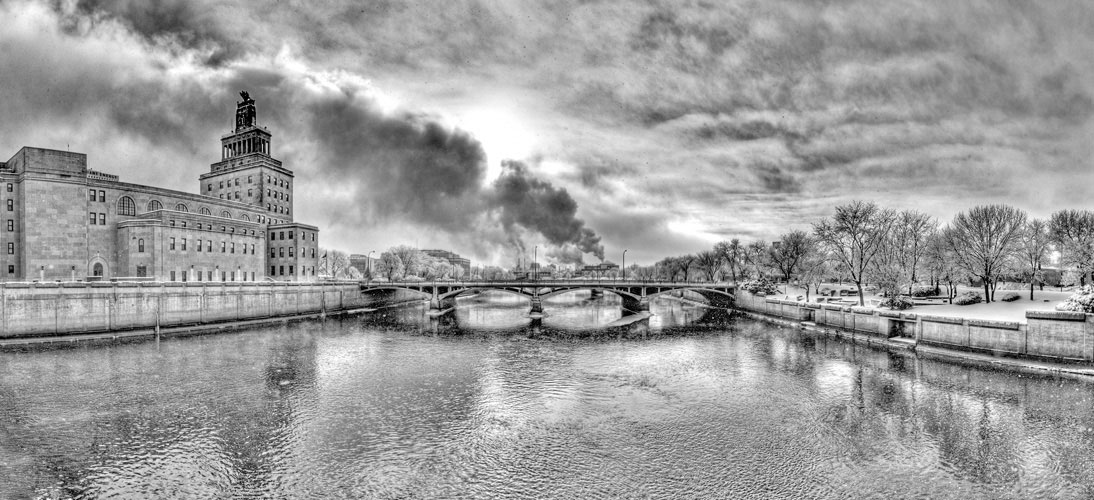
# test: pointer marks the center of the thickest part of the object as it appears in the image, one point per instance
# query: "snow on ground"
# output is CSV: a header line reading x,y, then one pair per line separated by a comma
x,y
1045,300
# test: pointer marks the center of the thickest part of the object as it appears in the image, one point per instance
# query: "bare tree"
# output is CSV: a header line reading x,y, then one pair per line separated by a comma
x,y
685,264
1033,248
731,252
411,258
755,255
789,252
854,235
984,239
938,261
910,233
390,265
1073,233
708,261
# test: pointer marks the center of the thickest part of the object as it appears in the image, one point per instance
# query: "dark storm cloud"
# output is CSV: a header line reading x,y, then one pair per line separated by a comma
x,y
193,24
535,204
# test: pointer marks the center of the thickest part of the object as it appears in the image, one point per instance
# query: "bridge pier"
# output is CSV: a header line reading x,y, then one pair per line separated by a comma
x,y
596,292
537,306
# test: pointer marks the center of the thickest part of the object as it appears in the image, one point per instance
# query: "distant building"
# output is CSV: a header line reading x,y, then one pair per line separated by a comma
x,y
599,270
452,258
64,221
362,263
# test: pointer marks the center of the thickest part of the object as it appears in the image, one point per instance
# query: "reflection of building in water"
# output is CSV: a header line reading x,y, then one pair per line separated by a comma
x,y
64,221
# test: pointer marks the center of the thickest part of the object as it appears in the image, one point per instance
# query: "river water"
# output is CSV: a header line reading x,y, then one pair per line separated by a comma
x,y
488,405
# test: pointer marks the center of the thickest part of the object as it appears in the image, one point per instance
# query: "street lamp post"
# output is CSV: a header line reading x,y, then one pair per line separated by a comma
x,y
368,265
535,262
624,264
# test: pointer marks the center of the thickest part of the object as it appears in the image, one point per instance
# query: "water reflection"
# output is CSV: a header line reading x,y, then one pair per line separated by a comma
x,y
490,403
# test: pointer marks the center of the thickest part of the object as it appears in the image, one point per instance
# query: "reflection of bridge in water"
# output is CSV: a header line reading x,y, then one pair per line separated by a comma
x,y
635,294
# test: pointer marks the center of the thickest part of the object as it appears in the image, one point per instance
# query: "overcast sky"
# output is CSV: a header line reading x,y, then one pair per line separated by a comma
x,y
660,127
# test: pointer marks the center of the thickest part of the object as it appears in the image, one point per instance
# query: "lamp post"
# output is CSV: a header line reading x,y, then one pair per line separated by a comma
x,y
368,265
535,262
624,264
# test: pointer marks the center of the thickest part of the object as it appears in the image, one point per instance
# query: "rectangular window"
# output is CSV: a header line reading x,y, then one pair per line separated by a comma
x,y
273,271
224,276
172,276
250,179
90,195
282,268
184,244
172,247
182,223
199,275
281,251
250,193
313,252
273,252
209,246
184,276
171,222
142,271
11,187
290,251
290,270
222,196
11,205
199,245
233,276
223,247
92,217
252,275
11,248
102,219
210,186
209,275
11,269
233,249
102,196
221,184
252,250
291,233
237,182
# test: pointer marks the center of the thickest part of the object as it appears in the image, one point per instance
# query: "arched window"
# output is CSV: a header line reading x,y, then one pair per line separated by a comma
x,y
155,205
140,245
126,206
226,214
245,217
181,207
205,211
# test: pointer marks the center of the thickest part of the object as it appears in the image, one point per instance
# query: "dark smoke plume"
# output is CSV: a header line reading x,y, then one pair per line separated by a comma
x,y
537,205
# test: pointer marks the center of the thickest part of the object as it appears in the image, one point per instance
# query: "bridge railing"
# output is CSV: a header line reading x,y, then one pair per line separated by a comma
x,y
545,283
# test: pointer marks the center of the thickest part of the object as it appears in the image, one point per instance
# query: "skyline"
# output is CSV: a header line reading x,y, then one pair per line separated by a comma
x,y
658,127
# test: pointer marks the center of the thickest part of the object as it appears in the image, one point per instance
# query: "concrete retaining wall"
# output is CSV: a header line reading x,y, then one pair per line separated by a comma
x,y
70,308
1046,334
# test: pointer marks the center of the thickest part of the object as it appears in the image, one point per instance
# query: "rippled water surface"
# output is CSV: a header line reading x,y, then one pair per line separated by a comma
x,y
487,404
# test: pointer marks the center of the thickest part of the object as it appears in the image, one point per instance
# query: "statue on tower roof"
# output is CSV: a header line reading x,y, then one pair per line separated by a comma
x,y
245,112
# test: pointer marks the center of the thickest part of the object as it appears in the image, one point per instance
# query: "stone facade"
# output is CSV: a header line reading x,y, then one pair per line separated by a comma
x,y
62,221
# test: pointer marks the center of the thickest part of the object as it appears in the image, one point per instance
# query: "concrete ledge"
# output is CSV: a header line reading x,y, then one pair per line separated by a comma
x,y
908,315
888,314
812,305
832,307
1005,325
1057,315
942,319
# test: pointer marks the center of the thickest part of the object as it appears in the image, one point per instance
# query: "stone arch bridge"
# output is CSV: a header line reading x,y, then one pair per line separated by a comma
x,y
635,294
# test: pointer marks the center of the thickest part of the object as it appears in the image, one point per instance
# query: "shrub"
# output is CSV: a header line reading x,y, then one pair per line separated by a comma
x,y
1081,301
761,286
925,291
968,298
1010,297
896,303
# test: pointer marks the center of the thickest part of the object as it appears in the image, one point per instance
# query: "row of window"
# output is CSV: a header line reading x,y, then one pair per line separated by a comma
x,y
277,208
280,271
93,216
280,235
280,252
250,180
208,275
209,227
126,206
277,195
180,244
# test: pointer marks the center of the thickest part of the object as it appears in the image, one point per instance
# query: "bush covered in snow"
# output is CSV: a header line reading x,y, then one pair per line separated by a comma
x,y
761,286
1080,301
967,298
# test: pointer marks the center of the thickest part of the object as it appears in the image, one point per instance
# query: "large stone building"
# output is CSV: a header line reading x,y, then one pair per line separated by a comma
x,y
452,258
63,221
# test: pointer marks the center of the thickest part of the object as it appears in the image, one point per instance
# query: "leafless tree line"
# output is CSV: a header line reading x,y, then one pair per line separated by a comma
x,y
894,250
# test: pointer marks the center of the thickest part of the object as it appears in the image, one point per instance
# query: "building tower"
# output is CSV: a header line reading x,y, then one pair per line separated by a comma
x,y
247,172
